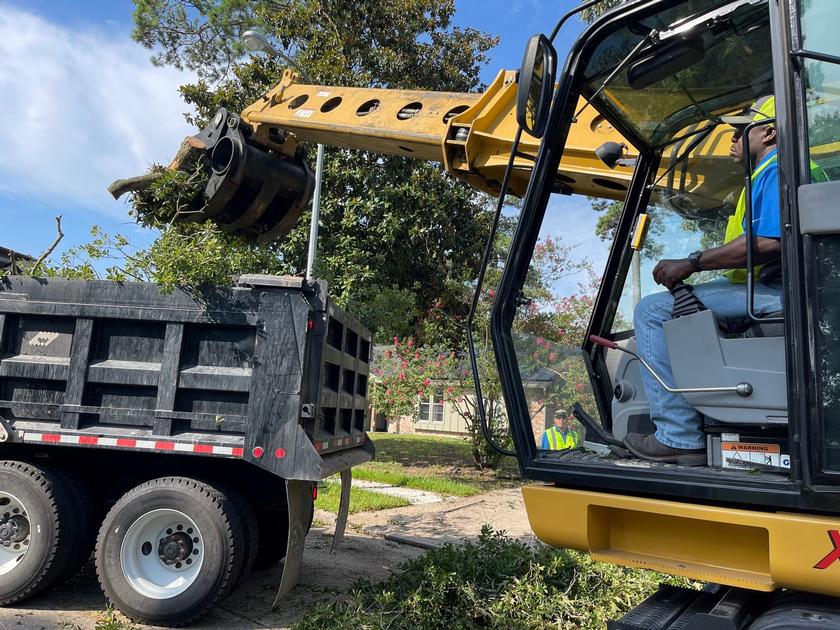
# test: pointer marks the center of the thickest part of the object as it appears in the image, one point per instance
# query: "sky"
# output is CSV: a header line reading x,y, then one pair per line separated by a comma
x,y
83,106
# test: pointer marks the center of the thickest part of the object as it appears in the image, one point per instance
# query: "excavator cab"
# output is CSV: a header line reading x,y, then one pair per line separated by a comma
x,y
662,74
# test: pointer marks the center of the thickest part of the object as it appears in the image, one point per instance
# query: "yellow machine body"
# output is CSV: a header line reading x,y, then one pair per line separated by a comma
x,y
761,551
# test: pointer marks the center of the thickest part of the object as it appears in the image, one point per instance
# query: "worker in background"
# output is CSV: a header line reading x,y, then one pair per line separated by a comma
x,y
560,435
679,437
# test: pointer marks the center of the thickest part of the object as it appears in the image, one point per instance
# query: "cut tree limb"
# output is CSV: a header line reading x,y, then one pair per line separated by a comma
x,y
189,152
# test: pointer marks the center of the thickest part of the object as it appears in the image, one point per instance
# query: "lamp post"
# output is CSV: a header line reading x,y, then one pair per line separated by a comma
x,y
256,42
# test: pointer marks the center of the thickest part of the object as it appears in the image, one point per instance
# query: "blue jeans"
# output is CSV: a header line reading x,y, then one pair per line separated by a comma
x,y
678,424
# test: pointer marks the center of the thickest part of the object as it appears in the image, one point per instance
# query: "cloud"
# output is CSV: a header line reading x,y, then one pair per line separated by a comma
x,y
80,108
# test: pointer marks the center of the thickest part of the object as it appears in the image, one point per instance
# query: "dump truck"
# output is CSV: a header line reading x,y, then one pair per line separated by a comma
x,y
634,114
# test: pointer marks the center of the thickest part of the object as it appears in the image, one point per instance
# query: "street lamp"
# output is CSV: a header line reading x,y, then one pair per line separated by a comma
x,y
256,42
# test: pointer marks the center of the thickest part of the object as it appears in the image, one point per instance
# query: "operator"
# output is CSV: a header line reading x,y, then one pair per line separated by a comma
x,y
679,438
560,435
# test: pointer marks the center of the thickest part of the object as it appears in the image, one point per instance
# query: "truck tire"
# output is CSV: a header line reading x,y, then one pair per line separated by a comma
x,y
248,523
168,550
37,529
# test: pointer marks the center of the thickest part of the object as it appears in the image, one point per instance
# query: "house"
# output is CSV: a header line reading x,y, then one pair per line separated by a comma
x,y
437,415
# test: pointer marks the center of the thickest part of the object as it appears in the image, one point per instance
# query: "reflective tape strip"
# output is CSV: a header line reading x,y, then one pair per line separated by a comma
x,y
146,445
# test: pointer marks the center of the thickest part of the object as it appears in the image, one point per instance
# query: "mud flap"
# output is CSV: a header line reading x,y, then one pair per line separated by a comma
x,y
343,508
298,499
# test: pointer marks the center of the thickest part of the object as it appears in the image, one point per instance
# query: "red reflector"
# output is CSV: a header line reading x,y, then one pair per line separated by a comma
x,y
314,491
202,448
257,452
280,453
51,437
88,439
310,324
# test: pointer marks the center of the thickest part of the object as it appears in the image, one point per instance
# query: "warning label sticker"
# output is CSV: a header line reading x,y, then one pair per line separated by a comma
x,y
742,454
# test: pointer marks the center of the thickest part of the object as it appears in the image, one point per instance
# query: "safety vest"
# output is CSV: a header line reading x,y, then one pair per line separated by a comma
x,y
559,440
735,223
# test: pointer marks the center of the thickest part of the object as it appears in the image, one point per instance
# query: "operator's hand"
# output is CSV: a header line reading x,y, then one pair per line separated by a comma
x,y
670,272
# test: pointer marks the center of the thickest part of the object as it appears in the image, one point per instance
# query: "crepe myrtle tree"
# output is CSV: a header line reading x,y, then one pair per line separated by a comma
x,y
548,331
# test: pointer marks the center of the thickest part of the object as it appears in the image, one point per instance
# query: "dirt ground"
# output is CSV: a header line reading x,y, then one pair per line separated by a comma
x,y
375,544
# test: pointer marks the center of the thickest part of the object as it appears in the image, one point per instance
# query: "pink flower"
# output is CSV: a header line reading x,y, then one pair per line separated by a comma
x,y
417,356
540,341
552,356
579,387
388,391
410,343
404,364
427,381
402,376
396,341
388,354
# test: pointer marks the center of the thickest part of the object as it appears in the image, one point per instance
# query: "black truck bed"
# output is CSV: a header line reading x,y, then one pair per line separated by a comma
x,y
268,371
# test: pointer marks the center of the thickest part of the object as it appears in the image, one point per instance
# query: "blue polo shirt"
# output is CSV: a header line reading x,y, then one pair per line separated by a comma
x,y
766,221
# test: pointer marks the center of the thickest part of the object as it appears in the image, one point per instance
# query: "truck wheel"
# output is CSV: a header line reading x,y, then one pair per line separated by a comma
x,y
168,550
37,528
251,534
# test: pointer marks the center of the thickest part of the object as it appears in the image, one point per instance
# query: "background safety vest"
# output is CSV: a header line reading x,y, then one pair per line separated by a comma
x,y
559,440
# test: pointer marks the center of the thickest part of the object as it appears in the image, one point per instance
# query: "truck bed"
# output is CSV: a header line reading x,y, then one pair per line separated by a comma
x,y
269,371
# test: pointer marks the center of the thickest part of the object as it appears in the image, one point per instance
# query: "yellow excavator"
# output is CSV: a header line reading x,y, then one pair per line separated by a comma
x,y
634,114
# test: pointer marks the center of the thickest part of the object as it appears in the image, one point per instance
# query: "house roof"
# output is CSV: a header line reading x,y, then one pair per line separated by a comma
x,y
6,256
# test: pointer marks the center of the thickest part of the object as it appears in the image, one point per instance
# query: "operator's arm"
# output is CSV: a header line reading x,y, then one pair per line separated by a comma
x,y
732,255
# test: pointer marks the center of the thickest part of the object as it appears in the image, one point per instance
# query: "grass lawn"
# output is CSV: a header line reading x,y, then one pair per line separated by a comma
x,y
432,463
360,500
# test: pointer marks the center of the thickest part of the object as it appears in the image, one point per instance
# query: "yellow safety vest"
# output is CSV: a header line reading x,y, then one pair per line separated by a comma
x,y
735,223
557,441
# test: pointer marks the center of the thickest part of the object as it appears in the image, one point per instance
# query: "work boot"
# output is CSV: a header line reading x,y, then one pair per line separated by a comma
x,y
649,448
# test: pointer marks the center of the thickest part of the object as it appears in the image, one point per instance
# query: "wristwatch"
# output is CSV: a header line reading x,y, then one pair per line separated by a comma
x,y
694,260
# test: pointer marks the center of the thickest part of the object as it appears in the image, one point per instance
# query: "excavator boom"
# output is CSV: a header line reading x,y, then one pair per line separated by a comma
x,y
259,182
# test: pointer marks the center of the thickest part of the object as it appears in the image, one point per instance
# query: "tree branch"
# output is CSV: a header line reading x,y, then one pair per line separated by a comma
x,y
51,248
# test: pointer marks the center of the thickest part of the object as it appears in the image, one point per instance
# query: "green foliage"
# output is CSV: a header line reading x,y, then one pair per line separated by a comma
x,y
589,15
199,254
496,582
122,261
396,235
172,197
361,500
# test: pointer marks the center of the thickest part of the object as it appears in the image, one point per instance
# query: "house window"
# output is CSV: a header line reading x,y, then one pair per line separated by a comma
x,y
431,408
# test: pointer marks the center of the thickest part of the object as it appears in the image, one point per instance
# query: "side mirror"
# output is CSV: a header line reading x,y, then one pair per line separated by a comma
x,y
536,82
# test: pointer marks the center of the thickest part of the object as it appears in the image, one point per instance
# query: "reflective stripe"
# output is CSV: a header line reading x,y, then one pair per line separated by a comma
x,y
735,223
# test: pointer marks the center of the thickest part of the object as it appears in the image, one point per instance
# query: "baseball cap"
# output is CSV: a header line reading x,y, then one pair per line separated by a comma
x,y
762,109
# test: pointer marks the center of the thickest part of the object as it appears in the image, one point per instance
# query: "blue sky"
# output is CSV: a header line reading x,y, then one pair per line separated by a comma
x,y
84,106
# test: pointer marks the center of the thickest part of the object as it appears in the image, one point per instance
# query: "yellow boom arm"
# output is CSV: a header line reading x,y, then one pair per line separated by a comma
x,y
260,183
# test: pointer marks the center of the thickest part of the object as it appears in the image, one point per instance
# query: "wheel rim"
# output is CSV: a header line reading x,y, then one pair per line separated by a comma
x,y
14,532
162,553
